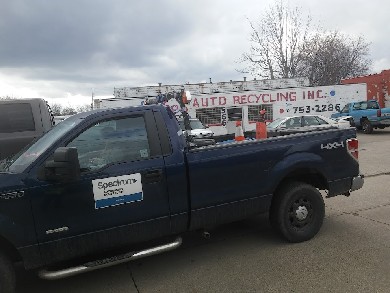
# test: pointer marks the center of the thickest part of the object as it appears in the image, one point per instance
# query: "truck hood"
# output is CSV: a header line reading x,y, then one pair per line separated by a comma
x,y
336,115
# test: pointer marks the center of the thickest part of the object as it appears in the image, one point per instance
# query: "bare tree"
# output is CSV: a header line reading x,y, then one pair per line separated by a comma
x,y
68,110
283,45
56,109
83,108
328,58
7,98
275,43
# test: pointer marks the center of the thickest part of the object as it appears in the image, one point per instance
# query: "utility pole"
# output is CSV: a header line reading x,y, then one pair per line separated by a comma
x,y
92,101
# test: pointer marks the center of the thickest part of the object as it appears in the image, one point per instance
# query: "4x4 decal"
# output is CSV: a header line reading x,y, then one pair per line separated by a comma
x,y
332,145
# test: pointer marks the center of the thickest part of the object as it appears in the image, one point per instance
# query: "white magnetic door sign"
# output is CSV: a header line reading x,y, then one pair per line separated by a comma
x,y
117,190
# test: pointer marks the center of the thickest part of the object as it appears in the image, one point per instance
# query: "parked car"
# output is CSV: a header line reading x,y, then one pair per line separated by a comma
x,y
298,124
198,129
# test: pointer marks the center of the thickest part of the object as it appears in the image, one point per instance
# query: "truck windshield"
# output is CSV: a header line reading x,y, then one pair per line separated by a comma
x,y
196,124
19,162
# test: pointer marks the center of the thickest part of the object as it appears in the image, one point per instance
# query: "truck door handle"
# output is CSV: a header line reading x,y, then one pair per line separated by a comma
x,y
153,176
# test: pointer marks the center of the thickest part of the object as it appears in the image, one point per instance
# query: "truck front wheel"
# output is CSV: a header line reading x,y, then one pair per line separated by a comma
x,y
367,127
297,211
7,274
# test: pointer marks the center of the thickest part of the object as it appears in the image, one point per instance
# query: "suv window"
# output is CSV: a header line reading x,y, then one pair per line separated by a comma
x,y
112,141
16,118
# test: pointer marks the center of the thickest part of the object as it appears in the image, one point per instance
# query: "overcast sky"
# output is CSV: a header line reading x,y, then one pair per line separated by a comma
x,y
63,50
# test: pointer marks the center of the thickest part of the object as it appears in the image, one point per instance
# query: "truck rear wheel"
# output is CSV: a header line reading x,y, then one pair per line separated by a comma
x,y
297,211
7,275
367,127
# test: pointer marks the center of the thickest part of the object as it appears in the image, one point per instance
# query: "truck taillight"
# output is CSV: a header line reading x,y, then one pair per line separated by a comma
x,y
353,148
379,113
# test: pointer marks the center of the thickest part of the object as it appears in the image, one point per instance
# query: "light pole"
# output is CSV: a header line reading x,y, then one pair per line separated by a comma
x,y
92,100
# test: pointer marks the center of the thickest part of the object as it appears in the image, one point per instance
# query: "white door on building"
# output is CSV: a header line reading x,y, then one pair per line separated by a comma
x,y
233,114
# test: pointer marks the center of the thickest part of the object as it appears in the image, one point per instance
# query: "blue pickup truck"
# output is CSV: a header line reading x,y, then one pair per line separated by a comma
x,y
365,115
108,186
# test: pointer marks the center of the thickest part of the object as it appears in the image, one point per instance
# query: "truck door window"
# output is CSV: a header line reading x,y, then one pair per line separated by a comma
x,y
373,105
112,141
16,118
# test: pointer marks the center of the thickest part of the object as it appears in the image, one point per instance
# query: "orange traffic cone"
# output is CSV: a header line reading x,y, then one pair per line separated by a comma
x,y
239,132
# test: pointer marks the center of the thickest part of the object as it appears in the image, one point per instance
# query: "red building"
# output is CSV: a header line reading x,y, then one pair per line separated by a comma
x,y
378,86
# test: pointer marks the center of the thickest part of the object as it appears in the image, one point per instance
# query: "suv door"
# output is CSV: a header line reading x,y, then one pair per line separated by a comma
x,y
120,199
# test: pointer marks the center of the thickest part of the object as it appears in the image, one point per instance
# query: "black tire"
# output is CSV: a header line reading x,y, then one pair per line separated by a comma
x,y
297,211
367,127
7,275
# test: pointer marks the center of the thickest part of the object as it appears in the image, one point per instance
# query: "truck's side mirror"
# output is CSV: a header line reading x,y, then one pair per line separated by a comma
x,y
64,167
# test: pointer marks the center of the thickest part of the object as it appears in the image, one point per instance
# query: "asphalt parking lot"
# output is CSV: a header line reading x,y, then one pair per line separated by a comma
x,y
351,253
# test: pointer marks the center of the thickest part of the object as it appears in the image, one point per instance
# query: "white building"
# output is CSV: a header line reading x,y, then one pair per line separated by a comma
x,y
219,105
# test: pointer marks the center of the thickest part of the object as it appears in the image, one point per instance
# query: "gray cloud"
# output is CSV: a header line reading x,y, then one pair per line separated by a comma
x,y
87,33
56,47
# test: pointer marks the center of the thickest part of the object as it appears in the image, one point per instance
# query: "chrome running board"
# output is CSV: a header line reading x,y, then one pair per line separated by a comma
x,y
107,262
